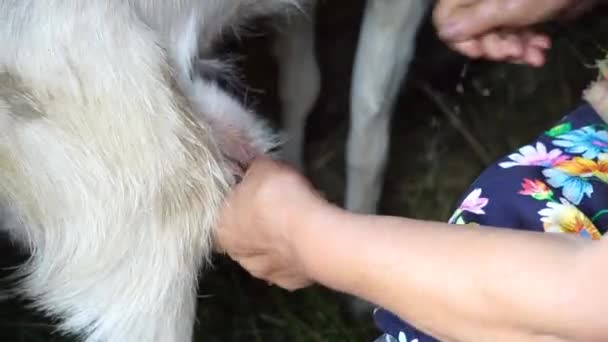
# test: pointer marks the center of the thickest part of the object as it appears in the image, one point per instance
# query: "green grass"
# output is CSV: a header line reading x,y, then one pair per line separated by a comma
x,y
431,163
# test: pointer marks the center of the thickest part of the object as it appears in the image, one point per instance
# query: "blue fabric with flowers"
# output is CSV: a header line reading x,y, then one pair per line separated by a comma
x,y
556,184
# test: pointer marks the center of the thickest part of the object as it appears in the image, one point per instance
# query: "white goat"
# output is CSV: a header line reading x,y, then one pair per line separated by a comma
x,y
115,155
385,49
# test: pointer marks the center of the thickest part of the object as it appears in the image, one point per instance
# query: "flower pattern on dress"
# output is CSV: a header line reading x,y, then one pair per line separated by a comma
x,y
586,141
531,156
586,167
574,188
473,203
402,338
536,189
570,175
566,218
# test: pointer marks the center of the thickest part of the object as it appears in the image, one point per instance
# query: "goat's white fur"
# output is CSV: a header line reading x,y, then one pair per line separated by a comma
x,y
385,49
112,156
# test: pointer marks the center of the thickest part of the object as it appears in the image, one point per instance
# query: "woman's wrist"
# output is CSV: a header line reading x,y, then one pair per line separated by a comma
x,y
310,239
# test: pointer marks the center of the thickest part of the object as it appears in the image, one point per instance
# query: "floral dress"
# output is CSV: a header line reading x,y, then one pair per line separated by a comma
x,y
556,184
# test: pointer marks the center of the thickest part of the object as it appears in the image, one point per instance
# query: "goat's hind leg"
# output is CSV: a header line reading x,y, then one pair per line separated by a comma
x,y
385,50
299,81
117,217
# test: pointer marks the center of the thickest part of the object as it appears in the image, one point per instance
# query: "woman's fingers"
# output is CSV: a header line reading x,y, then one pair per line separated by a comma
x,y
521,47
470,48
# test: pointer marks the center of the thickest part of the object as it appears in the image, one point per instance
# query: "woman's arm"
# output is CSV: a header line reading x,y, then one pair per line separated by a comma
x,y
462,283
458,283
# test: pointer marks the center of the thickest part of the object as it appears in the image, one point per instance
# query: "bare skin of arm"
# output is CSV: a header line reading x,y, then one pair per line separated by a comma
x,y
457,283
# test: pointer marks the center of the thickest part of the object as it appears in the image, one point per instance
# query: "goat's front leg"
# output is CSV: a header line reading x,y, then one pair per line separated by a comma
x,y
385,50
299,81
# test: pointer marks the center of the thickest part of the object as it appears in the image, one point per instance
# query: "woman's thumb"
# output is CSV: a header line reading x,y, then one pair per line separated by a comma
x,y
456,24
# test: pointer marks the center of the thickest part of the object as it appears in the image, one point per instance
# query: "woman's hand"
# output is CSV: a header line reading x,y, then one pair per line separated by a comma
x,y
499,29
259,217
459,20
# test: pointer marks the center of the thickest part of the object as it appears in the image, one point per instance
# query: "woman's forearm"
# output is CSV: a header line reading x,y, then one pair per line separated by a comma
x,y
458,283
